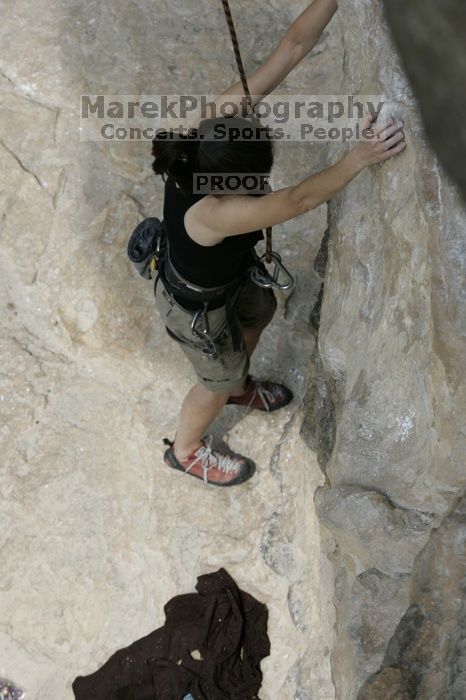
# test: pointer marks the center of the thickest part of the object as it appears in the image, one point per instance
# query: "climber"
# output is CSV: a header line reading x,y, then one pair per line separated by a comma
x,y
211,238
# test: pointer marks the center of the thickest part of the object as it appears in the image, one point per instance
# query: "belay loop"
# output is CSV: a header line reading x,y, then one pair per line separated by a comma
x,y
260,276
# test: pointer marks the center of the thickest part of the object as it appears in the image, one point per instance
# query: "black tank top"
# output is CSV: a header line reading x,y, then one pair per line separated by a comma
x,y
206,266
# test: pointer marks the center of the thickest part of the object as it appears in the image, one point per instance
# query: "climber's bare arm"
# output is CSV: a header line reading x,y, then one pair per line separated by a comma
x,y
299,39
216,217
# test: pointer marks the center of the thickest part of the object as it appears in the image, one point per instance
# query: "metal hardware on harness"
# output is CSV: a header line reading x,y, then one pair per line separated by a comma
x,y
209,351
154,263
178,285
263,278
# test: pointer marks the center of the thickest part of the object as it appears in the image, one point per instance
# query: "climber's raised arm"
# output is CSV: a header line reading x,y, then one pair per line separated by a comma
x,y
219,216
306,30
299,39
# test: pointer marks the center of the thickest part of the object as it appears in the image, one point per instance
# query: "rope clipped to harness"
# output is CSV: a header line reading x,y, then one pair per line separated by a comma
x,y
260,276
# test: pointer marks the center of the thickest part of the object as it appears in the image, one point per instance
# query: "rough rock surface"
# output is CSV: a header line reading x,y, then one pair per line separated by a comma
x,y
96,534
378,533
385,402
427,653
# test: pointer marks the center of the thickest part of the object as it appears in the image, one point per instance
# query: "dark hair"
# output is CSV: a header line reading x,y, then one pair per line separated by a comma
x,y
220,145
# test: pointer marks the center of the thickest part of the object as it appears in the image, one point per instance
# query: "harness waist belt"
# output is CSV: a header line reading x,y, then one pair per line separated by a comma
x,y
187,291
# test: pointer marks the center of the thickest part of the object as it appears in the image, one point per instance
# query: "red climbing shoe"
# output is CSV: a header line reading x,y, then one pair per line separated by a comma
x,y
265,396
210,465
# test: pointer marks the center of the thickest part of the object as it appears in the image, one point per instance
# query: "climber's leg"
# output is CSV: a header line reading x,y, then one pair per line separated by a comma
x,y
198,411
201,406
193,454
224,376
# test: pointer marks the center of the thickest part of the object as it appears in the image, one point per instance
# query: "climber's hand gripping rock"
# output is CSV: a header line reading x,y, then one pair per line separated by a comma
x,y
380,141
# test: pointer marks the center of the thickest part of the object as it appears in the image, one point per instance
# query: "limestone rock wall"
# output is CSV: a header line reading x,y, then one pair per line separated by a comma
x,y
426,657
385,406
95,533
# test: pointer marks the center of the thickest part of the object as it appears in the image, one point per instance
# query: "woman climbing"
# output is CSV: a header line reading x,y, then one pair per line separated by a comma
x,y
206,297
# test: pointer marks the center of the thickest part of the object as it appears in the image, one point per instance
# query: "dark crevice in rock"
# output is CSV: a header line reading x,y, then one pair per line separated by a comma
x,y
314,318
320,262
318,427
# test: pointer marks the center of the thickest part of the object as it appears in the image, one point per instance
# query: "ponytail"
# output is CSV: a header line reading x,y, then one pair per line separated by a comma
x,y
175,156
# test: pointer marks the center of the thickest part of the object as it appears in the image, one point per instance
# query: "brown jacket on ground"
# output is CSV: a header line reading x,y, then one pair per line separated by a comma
x,y
211,645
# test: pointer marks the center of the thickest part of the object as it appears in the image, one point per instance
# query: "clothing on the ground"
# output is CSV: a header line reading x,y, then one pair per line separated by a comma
x,y
253,306
205,266
211,646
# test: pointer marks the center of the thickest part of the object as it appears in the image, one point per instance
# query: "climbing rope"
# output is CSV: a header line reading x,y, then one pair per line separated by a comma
x,y
239,61
250,108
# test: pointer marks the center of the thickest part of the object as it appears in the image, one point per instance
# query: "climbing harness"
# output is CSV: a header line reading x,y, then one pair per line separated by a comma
x,y
261,277
148,250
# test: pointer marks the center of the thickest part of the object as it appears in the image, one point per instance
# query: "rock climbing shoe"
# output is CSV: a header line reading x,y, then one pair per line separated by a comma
x,y
210,465
265,396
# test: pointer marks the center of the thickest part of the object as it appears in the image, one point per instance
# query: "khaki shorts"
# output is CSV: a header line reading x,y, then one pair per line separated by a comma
x,y
253,306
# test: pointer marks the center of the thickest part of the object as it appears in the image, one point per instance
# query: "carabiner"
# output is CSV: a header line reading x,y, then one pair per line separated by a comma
x,y
209,351
263,278
200,314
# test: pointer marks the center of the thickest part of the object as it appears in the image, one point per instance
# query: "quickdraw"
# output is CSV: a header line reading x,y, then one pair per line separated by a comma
x,y
261,277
